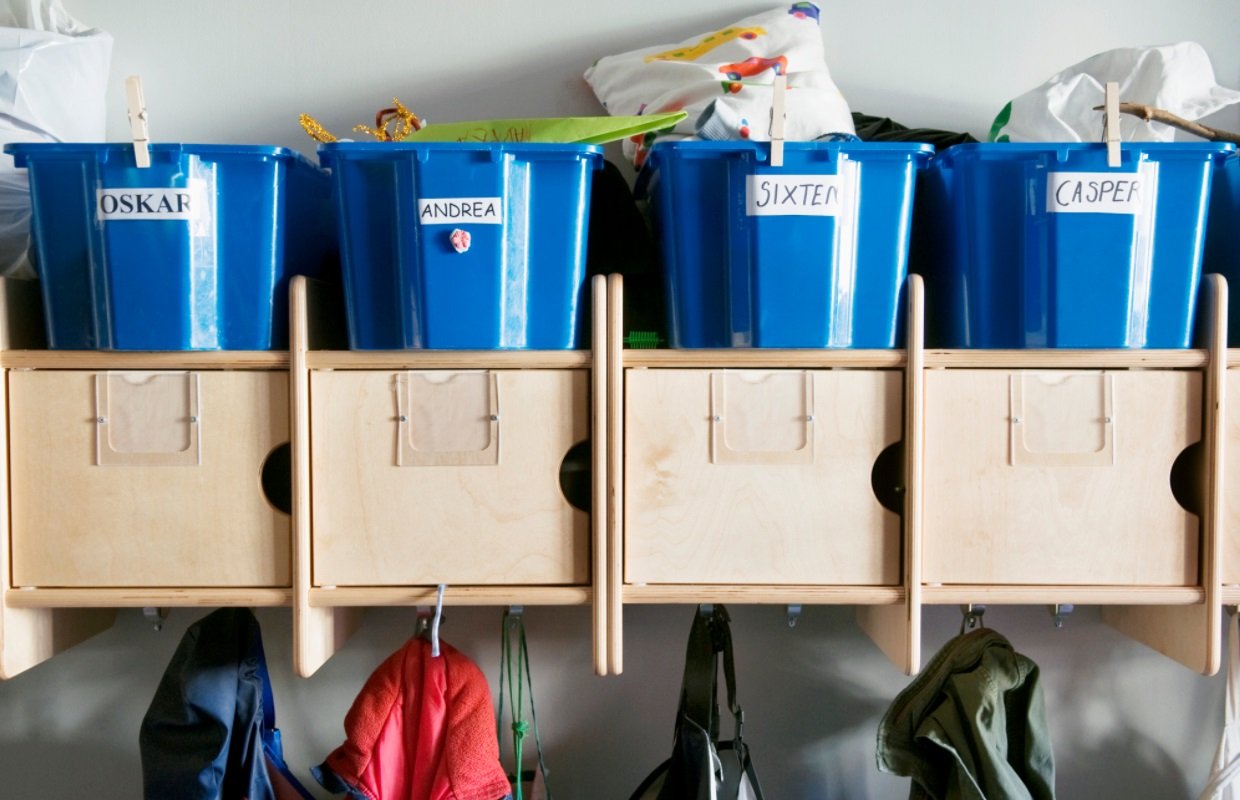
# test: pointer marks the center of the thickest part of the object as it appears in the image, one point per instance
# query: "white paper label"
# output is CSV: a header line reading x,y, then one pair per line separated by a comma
x,y
160,204
793,195
1094,192
458,210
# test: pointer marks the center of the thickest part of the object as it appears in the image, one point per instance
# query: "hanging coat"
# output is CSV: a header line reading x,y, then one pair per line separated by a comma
x,y
1224,780
422,728
209,733
971,726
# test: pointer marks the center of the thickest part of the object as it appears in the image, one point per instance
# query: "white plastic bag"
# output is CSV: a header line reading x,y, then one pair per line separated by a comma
x,y
1175,77
53,81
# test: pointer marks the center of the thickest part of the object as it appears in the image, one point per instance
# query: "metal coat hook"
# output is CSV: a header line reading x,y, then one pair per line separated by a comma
x,y
430,619
155,616
706,609
1061,610
972,617
794,613
437,620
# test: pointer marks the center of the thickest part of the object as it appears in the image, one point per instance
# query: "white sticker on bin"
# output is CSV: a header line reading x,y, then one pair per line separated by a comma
x,y
456,210
1094,192
132,203
793,195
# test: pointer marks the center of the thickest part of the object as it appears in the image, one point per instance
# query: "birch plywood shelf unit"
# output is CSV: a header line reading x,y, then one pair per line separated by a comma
x,y
133,479
888,480
894,479
419,468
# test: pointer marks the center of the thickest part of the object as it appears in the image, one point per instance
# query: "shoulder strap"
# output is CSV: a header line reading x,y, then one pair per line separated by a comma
x,y
698,687
723,644
709,638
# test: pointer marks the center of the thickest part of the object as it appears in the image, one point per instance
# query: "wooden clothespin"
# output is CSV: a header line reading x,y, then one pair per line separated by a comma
x,y
1110,124
138,129
777,120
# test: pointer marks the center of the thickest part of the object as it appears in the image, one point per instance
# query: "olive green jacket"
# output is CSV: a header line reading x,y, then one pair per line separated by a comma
x,y
971,726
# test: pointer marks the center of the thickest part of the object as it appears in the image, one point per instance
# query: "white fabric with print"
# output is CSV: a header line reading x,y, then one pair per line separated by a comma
x,y
724,79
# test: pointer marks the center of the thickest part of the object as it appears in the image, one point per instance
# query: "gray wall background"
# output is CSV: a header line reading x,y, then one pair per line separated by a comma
x,y
1126,722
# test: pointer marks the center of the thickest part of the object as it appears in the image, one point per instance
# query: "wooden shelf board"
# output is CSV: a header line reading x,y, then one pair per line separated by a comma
x,y
453,596
1081,595
813,595
764,358
181,359
1067,359
448,359
139,598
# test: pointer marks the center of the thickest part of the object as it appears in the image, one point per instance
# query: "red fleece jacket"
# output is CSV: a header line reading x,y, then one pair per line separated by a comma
x,y
422,728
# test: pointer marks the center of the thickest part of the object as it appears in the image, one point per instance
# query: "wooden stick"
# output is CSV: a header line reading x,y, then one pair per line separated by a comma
x,y
1151,114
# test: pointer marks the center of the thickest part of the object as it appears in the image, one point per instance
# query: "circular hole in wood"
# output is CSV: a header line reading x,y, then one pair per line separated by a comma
x,y
887,477
1187,484
576,476
277,478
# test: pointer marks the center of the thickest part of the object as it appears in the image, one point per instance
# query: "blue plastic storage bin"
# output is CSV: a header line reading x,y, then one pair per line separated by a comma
x,y
1223,238
810,254
463,246
1044,245
191,253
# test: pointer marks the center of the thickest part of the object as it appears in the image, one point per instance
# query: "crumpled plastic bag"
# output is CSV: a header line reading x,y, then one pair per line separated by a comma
x,y
724,80
1175,77
53,84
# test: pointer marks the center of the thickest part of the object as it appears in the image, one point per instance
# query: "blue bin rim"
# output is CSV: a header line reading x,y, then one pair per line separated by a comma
x,y
984,150
708,148
365,149
22,151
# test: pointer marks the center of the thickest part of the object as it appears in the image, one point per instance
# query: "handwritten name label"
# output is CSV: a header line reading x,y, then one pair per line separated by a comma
x,y
456,210
158,204
1093,193
793,195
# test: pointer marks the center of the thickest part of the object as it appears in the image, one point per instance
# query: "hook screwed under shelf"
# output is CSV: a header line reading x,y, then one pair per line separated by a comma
x,y
155,616
972,617
1061,610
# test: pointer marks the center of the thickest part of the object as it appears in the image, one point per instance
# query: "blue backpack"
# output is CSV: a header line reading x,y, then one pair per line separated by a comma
x,y
210,731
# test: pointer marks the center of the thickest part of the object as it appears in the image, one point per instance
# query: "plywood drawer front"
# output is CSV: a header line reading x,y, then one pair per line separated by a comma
x,y
1045,477
446,495
146,497
1230,528
709,501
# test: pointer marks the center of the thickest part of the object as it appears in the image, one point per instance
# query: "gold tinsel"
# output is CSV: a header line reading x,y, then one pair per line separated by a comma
x,y
406,123
317,132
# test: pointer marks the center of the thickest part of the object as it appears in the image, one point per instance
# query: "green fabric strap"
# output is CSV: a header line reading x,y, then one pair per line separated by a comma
x,y
513,624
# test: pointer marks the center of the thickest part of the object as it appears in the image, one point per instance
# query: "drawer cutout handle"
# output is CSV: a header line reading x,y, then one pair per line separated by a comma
x,y
447,418
148,419
1062,419
762,417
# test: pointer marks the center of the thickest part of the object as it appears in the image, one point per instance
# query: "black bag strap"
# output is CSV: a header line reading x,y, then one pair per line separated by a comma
x,y
709,638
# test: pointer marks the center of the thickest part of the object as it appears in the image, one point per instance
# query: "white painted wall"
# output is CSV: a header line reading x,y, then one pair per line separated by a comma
x,y
1126,722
